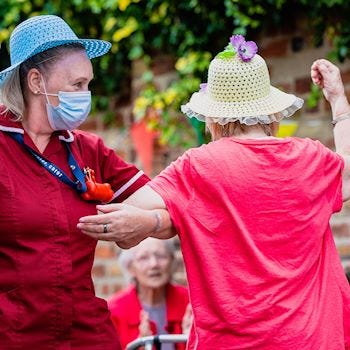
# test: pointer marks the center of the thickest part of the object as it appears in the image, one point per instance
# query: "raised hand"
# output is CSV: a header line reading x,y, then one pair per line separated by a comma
x,y
327,76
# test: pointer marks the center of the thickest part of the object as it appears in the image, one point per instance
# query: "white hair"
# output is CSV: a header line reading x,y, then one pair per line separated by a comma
x,y
127,255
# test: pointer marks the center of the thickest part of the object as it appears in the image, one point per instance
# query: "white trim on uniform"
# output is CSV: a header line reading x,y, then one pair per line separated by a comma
x,y
69,139
11,129
127,185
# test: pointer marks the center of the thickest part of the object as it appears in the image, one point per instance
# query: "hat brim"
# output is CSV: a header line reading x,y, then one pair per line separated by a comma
x,y
275,106
93,47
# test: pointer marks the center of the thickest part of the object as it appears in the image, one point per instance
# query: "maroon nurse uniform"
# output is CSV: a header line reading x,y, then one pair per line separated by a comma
x,y
47,298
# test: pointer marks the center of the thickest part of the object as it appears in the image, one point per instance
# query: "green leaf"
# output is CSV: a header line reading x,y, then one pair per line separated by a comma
x,y
226,54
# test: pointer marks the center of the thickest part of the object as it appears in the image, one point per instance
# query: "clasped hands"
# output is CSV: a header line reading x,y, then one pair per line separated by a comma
x,y
122,223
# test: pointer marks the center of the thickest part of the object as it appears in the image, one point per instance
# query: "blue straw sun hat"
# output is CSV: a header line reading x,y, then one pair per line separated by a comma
x,y
41,33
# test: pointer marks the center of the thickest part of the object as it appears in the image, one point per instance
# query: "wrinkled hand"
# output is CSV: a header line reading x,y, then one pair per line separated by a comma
x,y
187,320
144,327
327,76
126,225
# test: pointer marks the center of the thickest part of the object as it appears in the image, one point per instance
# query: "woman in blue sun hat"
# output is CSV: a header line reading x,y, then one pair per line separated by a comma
x,y
252,212
51,175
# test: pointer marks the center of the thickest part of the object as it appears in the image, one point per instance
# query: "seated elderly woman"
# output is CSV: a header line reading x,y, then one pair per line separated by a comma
x,y
151,304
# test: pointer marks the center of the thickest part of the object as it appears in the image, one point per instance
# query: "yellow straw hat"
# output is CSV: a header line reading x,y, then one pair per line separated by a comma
x,y
239,89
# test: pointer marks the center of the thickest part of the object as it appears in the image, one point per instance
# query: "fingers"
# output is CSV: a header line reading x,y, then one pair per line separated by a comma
x,y
317,70
321,67
99,236
99,219
96,231
93,228
316,76
109,208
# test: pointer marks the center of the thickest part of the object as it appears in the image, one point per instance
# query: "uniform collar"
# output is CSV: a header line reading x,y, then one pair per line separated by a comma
x,y
7,124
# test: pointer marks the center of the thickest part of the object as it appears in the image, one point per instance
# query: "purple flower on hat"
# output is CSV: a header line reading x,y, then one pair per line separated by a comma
x,y
203,87
236,41
247,50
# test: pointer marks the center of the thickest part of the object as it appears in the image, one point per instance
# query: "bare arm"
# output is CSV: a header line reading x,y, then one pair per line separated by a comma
x,y
142,215
327,76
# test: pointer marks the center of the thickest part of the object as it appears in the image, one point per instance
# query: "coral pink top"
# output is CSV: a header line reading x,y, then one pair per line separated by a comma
x,y
253,219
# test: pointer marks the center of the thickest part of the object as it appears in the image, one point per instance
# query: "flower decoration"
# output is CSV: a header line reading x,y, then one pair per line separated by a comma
x,y
245,49
203,87
236,41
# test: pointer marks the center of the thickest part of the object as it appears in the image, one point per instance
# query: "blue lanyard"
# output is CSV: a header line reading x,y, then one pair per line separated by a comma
x,y
78,185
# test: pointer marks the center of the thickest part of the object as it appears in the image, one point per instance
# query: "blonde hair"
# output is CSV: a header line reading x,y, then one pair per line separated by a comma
x,y
218,131
11,95
13,90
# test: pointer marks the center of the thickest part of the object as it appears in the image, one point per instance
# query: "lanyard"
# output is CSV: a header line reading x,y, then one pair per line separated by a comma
x,y
78,185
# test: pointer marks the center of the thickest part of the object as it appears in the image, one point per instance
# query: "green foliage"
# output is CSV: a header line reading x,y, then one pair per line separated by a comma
x,y
314,96
192,31
161,108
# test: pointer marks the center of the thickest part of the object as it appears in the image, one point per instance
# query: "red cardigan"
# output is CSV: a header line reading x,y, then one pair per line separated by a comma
x,y
125,310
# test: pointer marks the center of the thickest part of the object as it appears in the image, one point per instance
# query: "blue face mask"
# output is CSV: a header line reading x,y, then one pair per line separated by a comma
x,y
72,110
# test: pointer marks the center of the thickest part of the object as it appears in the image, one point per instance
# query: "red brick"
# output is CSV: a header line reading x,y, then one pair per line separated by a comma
x,y
99,271
345,76
104,252
326,105
116,287
115,270
276,48
341,230
347,92
286,87
105,289
302,85
344,250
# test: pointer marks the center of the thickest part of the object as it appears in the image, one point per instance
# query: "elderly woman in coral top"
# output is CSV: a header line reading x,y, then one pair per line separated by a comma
x,y
152,304
252,212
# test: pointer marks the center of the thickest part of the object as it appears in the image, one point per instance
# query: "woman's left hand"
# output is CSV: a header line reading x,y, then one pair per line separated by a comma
x,y
122,223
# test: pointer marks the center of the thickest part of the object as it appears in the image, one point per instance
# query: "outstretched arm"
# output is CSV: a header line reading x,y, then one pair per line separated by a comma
x,y
142,215
327,76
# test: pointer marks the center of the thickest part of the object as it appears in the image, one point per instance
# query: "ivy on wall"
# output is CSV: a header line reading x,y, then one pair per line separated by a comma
x,y
192,31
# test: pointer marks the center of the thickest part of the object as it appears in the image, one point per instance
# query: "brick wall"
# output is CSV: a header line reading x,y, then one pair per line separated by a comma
x,y
289,57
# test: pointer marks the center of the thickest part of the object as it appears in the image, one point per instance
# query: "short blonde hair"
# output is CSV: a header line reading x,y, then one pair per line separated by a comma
x,y
11,95
218,131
